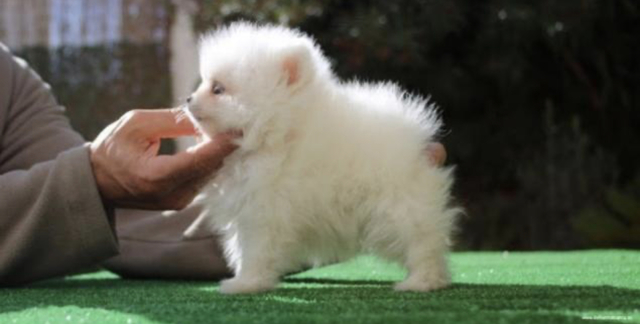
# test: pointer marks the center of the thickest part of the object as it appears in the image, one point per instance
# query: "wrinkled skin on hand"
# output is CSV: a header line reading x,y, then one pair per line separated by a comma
x,y
130,173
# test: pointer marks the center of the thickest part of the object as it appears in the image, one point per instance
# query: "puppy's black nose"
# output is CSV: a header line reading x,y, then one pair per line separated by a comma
x,y
189,99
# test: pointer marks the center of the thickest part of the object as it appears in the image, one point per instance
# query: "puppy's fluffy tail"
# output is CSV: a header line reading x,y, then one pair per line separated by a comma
x,y
393,105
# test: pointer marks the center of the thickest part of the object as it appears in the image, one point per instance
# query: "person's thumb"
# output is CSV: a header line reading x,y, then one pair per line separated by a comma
x,y
200,161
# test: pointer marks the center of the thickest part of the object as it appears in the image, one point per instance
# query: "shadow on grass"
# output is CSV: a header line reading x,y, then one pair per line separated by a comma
x,y
329,281
314,300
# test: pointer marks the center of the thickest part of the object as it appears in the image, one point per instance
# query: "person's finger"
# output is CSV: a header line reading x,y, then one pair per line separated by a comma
x,y
160,123
198,162
208,156
437,154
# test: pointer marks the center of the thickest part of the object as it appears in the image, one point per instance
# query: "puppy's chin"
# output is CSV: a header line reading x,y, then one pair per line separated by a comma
x,y
204,125
209,127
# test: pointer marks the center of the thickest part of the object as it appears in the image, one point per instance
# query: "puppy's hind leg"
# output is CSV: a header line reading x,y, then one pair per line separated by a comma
x,y
421,244
426,262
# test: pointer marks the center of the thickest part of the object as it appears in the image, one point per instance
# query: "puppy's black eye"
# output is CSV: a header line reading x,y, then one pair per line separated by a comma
x,y
217,88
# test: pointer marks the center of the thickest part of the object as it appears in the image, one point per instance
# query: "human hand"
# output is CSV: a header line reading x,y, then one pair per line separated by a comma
x,y
130,173
437,154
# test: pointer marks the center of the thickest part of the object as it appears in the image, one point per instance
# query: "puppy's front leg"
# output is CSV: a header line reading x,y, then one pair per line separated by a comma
x,y
255,275
264,252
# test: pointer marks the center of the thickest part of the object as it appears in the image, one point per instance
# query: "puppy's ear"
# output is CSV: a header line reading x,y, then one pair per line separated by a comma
x,y
297,65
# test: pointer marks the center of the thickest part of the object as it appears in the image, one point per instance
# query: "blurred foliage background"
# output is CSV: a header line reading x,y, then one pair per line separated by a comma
x,y
540,99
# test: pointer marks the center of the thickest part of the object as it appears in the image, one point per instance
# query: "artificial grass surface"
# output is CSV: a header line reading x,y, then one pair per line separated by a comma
x,y
489,287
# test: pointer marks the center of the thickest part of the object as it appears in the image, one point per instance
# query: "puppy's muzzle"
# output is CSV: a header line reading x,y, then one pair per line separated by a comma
x,y
192,110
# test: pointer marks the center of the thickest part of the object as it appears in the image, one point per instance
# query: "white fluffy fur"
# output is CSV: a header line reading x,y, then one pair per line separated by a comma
x,y
325,169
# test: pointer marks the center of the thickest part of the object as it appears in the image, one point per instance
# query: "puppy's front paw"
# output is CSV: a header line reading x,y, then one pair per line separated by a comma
x,y
245,286
422,284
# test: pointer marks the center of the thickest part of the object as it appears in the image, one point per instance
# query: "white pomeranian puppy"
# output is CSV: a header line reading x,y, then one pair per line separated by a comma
x,y
324,170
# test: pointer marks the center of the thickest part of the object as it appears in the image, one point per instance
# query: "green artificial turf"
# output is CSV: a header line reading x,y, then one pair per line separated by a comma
x,y
494,287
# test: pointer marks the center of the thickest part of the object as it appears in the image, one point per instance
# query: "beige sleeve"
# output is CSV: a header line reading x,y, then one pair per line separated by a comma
x,y
155,246
52,220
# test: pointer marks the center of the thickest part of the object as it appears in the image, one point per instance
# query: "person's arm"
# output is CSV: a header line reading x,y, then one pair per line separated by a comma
x,y
153,246
52,220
